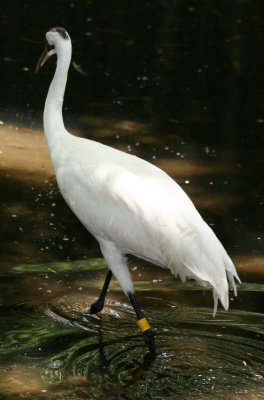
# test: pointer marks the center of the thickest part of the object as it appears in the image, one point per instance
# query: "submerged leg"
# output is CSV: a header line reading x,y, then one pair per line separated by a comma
x,y
99,304
143,325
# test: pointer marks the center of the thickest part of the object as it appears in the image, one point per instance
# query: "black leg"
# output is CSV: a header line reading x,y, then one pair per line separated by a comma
x,y
99,304
143,325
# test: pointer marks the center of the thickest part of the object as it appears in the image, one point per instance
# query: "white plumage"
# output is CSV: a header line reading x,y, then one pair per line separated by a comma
x,y
129,205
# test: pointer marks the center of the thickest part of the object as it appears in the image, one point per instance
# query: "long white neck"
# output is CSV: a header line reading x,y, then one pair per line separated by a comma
x,y
53,120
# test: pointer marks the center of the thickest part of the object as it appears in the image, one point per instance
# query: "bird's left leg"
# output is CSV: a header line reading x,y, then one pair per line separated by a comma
x,y
99,304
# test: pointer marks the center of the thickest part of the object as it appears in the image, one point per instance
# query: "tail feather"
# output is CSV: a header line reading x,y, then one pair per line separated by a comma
x,y
204,259
216,297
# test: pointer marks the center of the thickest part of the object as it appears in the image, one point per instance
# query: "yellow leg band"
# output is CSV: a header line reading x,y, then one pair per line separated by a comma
x,y
143,324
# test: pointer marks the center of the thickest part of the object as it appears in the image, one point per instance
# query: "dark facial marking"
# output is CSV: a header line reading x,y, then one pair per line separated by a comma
x,y
61,32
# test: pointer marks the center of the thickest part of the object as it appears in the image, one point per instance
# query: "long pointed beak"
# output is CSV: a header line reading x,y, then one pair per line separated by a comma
x,y
47,53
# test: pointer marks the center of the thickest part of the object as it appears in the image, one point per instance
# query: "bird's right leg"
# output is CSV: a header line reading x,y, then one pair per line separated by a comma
x,y
99,304
118,265
143,324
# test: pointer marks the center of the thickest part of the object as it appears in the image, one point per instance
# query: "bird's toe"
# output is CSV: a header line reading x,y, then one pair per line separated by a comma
x,y
96,307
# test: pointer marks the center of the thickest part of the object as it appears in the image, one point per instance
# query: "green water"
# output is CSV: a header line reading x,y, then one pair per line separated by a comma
x,y
51,347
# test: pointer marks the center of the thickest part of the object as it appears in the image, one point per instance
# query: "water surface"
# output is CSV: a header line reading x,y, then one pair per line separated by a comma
x,y
53,348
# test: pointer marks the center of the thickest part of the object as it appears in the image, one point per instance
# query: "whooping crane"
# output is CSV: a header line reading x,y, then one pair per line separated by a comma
x,y
129,205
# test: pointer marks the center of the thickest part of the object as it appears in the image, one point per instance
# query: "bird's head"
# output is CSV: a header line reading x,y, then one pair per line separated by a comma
x,y
56,38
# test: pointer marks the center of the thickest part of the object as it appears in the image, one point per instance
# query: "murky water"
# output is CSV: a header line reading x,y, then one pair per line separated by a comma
x,y
179,84
51,347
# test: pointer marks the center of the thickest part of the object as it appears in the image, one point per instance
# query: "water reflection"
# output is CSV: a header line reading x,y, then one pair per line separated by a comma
x,y
51,347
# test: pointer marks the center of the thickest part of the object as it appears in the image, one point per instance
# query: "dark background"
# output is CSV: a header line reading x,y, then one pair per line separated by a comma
x,y
191,71
153,60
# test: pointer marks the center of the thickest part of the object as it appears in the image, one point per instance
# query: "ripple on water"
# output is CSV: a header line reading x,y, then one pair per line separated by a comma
x,y
51,347
197,355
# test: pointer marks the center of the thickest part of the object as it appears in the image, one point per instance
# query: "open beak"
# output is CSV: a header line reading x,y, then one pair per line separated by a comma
x,y
47,53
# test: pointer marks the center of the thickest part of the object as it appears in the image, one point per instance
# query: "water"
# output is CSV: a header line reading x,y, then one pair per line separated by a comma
x,y
179,84
53,348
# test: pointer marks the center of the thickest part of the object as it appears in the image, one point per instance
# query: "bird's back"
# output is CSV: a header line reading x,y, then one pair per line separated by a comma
x,y
128,201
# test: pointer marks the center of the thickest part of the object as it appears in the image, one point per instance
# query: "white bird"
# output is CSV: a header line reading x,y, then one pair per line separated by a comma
x,y
129,205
